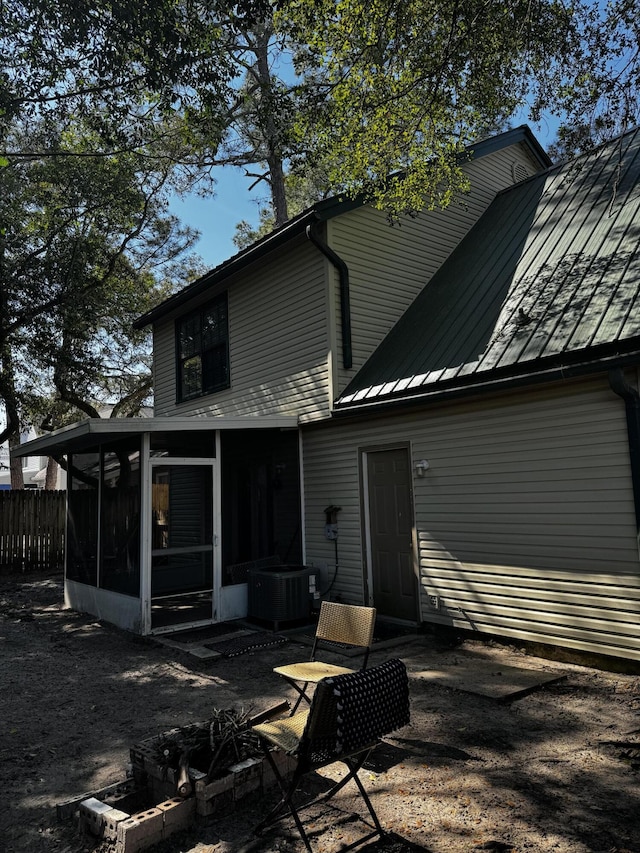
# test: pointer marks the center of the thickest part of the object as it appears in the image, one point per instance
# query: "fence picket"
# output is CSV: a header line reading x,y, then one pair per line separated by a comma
x,y
31,530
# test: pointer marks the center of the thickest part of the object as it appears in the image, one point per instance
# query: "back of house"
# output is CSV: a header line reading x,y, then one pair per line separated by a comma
x,y
438,417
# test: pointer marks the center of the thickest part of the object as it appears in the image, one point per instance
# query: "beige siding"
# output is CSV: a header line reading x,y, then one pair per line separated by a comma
x,y
390,264
277,339
164,368
525,521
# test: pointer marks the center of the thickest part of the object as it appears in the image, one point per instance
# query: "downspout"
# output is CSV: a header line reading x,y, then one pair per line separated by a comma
x,y
343,275
631,399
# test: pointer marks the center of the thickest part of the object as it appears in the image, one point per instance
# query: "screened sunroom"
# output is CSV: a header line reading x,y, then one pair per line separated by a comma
x,y
166,515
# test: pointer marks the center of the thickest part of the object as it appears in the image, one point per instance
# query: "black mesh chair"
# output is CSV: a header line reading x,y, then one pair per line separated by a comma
x,y
346,719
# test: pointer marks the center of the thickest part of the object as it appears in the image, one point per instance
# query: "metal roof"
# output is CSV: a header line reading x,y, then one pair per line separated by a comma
x,y
319,212
548,278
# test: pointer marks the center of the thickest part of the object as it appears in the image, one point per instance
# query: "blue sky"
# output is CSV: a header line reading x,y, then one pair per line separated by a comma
x,y
216,217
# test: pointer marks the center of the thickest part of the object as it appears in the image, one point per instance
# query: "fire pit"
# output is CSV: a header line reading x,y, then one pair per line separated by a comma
x,y
178,776
218,761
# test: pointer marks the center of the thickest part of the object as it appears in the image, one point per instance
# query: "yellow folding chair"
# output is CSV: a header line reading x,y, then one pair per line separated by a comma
x,y
346,719
347,624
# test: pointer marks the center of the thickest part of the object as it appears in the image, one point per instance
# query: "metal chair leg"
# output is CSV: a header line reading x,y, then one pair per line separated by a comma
x,y
302,694
285,806
354,768
279,811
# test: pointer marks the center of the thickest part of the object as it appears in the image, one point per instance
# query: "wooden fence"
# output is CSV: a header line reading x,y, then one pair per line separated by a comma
x,y
31,530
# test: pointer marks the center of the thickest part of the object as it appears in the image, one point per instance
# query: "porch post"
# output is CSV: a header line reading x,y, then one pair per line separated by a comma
x,y
217,530
303,503
145,534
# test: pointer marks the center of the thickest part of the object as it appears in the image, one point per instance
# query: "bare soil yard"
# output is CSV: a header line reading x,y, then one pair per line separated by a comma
x,y
556,770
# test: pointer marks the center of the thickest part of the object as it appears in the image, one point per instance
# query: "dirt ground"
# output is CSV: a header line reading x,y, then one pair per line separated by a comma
x,y
556,770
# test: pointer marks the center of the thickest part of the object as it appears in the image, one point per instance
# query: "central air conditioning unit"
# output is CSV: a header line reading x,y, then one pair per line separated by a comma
x,y
281,593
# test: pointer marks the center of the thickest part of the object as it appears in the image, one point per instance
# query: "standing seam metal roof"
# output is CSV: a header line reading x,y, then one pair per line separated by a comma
x,y
548,275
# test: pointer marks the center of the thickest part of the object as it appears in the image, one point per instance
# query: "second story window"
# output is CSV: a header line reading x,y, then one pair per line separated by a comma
x,y
203,350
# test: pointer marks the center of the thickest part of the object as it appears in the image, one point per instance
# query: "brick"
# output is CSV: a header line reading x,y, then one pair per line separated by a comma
x,y
177,813
140,830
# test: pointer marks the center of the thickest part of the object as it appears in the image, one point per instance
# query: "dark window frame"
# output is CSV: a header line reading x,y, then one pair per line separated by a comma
x,y
202,338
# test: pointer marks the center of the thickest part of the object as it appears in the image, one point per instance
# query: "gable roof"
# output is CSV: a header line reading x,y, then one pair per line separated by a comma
x,y
548,280
319,212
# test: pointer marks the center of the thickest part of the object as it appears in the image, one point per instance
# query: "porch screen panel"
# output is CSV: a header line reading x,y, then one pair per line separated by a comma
x,y
82,539
200,443
182,529
120,540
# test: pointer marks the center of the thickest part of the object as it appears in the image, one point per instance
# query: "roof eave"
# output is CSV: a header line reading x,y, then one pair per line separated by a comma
x,y
94,431
231,266
493,383
522,133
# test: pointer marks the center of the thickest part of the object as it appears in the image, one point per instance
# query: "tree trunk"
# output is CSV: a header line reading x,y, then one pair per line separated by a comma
x,y
51,479
17,477
270,130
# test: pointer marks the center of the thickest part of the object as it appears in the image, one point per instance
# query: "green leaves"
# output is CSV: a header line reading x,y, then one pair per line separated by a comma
x,y
87,248
404,85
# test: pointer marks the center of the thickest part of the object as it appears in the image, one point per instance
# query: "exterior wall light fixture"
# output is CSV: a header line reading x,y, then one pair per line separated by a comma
x,y
421,467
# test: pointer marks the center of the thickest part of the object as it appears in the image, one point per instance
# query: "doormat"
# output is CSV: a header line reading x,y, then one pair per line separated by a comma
x,y
234,646
211,632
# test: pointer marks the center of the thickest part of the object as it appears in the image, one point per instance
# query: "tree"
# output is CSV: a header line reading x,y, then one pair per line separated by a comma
x,y
86,246
375,89
140,74
121,64
401,87
302,188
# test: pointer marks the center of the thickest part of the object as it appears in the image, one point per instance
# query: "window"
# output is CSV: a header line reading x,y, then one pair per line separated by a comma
x,y
203,350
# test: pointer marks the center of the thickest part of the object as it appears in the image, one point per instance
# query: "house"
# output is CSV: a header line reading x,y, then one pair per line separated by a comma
x,y
440,417
34,468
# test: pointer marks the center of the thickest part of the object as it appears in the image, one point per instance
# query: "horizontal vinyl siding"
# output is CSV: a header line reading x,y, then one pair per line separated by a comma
x,y
390,264
164,368
525,520
278,344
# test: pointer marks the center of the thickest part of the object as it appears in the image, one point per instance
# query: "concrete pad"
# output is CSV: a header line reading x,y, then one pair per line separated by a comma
x,y
485,677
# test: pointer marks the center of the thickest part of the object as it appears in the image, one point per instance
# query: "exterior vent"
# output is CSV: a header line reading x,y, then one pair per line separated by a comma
x,y
281,593
519,172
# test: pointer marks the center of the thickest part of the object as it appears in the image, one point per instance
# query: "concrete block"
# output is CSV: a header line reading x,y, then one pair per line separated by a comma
x,y
92,812
70,808
222,802
140,830
177,814
206,791
160,789
247,777
112,819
